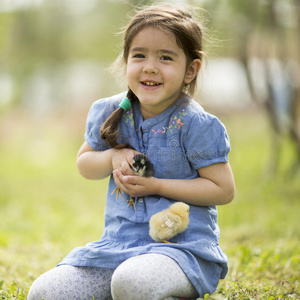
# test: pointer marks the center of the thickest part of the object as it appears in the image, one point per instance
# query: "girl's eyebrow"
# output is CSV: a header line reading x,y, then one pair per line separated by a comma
x,y
138,49
167,51
163,51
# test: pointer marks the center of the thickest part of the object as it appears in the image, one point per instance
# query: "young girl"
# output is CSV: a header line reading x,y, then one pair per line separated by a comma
x,y
189,151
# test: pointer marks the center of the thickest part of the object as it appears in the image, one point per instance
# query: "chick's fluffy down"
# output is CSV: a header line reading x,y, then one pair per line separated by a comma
x,y
168,223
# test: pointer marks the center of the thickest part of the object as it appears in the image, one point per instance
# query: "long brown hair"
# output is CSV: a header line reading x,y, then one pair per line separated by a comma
x,y
168,18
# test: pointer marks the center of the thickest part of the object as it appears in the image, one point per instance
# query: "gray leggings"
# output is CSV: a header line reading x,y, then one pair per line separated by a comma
x,y
148,276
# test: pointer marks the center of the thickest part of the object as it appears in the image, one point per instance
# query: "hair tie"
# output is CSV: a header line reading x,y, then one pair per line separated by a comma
x,y
125,104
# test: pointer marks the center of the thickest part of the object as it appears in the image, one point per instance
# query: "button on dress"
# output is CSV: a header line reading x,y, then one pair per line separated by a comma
x,y
180,140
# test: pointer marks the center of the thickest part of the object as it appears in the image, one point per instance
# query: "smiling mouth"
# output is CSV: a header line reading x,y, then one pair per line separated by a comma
x,y
147,83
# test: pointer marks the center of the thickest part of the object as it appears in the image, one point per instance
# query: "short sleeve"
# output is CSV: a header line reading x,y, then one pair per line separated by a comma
x,y
98,113
206,141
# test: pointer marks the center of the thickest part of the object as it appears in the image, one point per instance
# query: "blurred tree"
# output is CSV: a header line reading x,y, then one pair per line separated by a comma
x,y
140,3
53,35
268,32
282,79
58,32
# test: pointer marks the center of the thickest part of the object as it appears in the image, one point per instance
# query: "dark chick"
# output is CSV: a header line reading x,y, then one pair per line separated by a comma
x,y
141,166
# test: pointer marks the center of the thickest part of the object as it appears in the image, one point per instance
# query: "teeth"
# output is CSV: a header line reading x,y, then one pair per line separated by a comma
x,y
150,83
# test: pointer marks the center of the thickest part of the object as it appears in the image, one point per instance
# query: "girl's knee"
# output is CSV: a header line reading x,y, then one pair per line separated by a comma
x,y
51,285
151,276
37,290
128,282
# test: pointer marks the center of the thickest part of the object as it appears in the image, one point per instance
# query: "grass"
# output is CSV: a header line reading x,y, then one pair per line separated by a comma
x,y
47,209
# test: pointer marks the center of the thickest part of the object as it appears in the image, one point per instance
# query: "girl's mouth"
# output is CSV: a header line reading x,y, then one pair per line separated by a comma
x,y
150,83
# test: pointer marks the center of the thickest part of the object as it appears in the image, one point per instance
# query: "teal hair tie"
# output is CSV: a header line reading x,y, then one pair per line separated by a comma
x,y
125,104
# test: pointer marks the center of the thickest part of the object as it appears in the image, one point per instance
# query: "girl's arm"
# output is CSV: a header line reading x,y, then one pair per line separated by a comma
x,y
215,186
100,164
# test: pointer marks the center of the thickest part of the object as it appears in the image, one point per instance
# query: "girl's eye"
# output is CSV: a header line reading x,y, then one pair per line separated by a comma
x,y
165,57
138,56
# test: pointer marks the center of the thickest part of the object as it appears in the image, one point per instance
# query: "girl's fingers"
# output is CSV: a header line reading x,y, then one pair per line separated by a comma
x,y
121,182
134,180
135,186
126,169
117,179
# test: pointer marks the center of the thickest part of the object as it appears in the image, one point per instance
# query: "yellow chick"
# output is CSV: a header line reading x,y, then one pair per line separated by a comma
x,y
165,224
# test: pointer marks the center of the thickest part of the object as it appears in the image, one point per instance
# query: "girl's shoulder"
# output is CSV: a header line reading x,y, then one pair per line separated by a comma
x,y
194,114
99,112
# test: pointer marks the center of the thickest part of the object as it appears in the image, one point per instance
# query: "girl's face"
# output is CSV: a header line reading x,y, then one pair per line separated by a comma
x,y
157,70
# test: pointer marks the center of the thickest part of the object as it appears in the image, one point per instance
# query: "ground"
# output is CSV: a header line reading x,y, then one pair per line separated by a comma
x,y
47,208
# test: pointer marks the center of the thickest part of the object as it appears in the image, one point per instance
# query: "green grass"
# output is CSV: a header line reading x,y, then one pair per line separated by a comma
x,y
47,209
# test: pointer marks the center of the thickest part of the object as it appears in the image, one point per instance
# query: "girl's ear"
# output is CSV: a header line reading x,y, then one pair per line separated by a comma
x,y
192,71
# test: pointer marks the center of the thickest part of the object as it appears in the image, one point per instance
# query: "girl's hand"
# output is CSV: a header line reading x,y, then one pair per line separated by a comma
x,y
100,164
135,186
122,159
214,186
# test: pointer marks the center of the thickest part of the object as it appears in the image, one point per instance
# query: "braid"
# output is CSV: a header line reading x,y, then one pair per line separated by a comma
x,y
110,128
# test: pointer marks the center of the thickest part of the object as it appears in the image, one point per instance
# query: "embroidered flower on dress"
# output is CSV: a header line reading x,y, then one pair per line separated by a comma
x,y
128,115
175,123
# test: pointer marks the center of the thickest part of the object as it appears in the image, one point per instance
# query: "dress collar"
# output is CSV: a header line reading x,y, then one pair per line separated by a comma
x,y
138,118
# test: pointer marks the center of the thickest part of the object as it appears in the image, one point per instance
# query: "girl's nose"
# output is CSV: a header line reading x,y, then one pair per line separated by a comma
x,y
150,67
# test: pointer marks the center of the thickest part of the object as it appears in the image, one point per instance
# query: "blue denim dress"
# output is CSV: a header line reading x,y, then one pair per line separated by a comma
x,y
180,140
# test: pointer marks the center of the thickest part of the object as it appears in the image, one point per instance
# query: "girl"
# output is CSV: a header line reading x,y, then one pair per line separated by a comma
x,y
189,150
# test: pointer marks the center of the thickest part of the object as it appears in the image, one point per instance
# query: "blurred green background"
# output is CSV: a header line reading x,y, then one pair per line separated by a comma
x,y
54,57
